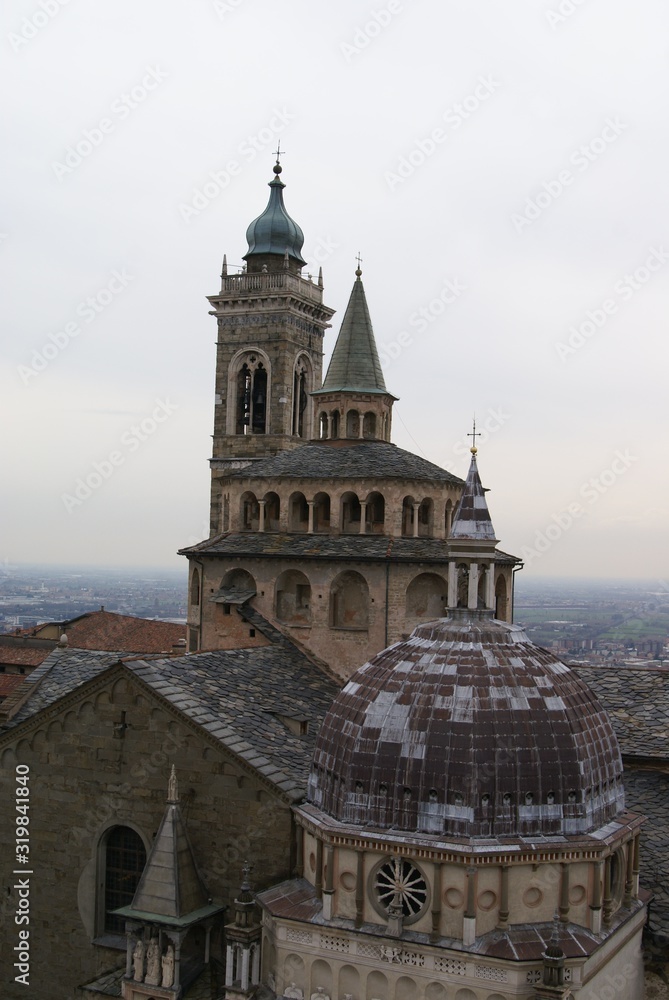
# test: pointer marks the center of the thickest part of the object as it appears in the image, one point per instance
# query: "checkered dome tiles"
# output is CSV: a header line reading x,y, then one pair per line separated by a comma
x,y
468,729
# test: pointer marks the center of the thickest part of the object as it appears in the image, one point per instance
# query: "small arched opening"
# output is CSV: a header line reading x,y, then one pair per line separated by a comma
x,y
352,424
350,514
321,512
249,512
369,425
349,601
293,598
298,513
375,513
272,511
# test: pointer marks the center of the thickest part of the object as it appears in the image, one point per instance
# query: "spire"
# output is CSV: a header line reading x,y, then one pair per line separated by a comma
x,y
171,885
274,232
472,518
355,364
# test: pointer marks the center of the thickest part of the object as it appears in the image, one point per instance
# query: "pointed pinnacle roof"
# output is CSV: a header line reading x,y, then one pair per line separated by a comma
x,y
170,885
472,518
355,364
274,231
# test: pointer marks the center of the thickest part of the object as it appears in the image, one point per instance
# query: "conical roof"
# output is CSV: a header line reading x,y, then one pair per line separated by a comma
x,y
274,231
171,885
354,365
472,517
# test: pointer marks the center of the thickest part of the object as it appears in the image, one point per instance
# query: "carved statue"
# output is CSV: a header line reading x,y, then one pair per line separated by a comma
x,y
294,992
168,966
138,961
389,954
320,994
152,977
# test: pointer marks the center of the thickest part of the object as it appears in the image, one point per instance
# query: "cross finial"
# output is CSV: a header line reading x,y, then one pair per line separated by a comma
x,y
278,151
474,434
358,270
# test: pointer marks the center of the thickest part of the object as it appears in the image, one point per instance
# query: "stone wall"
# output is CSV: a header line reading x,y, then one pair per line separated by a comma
x,y
85,780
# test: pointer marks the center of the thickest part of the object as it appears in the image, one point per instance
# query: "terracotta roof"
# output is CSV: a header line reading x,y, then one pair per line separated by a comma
x,y
23,656
125,633
8,682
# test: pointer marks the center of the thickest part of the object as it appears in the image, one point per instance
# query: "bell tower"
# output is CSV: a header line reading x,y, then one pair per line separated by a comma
x,y
271,323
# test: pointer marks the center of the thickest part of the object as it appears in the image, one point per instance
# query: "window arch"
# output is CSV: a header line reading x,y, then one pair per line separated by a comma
x,y
321,512
293,598
352,424
426,597
301,390
425,512
350,513
121,863
298,512
249,512
375,513
369,425
349,601
249,393
272,511
500,599
238,579
195,587
407,516
334,424
323,426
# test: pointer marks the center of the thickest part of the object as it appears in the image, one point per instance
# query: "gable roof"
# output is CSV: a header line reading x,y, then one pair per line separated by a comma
x,y
109,630
235,696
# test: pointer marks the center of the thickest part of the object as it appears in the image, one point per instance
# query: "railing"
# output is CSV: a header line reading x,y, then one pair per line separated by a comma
x,y
245,284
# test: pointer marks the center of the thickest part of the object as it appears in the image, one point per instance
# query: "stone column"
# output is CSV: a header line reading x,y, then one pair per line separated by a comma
x,y
452,584
473,593
629,875
596,904
416,508
245,969
319,869
359,889
255,968
363,516
176,985
636,865
490,588
328,891
607,908
129,948
436,904
229,965
310,526
564,894
469,920
261,515
503,920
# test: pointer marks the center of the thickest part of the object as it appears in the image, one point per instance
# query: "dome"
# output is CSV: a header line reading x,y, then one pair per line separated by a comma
x,y
468,729
274,231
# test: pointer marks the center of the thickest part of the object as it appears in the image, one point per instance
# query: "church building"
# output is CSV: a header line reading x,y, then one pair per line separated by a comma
x,y
362,781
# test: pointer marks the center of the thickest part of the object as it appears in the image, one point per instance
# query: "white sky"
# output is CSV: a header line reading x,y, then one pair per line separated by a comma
x,y
353,91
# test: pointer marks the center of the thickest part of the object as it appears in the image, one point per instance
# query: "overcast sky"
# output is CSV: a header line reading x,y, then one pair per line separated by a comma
x,y
501,167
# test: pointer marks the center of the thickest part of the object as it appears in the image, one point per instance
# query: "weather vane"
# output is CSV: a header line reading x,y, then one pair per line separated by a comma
x,y
474,435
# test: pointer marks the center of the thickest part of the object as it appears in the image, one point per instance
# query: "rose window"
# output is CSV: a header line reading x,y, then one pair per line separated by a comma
x,y
398,882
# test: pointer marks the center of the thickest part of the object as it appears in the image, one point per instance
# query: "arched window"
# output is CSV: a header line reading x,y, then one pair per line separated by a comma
x,y
407,516
251,392
195,587
350,514
352,424
250,512
425,518
375,514
272,511
349,601
323,426
427,596
293,598
298,513
334,424
122,863
321,512
238,579
301,388
369,425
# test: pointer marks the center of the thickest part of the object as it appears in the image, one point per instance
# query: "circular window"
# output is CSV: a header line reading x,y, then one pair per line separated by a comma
x,y
399,882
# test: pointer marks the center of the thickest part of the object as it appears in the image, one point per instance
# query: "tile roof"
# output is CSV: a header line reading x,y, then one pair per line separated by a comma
x,y
236,695
8,682
339,547
371,460
637,699
354,365
108,630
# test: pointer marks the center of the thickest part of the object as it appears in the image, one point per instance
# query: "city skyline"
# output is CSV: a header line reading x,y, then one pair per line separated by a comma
x,y
501,180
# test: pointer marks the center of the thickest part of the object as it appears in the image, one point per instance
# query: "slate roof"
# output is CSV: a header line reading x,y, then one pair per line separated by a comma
x,y
345,548
647,792
472,518
371,460
355,365
637,699
237,696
